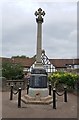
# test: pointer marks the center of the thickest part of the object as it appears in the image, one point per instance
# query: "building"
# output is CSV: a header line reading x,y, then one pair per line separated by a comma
x,y
59,64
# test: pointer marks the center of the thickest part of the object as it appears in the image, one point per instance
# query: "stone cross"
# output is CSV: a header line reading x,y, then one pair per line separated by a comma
x,y
39,21
39,13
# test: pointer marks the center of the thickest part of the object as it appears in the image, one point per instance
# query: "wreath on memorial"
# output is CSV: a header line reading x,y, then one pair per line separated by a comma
x,y
37,95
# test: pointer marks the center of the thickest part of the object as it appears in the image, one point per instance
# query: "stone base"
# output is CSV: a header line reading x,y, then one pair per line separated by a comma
x,y
37,99
39,65
37,96
42,92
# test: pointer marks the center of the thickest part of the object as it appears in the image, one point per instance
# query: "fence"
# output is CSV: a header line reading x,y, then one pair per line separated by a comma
x,y
56,93
15,93
18,91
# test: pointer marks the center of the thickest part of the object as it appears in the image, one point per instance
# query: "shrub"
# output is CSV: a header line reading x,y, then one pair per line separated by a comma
x,y
66,78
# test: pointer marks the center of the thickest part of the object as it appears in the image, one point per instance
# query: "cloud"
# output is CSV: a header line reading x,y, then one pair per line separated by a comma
x,y
20,28
73,35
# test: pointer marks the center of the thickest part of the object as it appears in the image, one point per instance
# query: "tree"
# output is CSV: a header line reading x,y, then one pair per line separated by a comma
x,y
22,56
34,57
12,71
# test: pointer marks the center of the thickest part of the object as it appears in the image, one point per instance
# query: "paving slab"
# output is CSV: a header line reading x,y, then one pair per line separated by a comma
x,y
64,110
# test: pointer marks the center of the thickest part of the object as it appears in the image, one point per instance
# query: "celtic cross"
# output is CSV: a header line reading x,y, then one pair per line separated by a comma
x,y
39,13
39,19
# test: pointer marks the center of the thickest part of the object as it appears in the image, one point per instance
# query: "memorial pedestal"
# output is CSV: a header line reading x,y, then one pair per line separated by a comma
x,y
38,82
38,91
42,92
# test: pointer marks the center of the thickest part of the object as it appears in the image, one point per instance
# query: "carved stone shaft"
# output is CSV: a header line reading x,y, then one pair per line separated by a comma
x,y
39,42
39,21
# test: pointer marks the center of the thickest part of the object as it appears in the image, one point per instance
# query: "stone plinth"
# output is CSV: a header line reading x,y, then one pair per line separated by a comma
x,y
38,83
42,92
38,78
37,99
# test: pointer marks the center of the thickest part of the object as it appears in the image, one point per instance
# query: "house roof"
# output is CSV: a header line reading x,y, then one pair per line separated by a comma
x,y
63,62
3,59
27,62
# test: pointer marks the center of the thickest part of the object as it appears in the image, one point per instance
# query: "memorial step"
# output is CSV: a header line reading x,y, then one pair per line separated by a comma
x,y
37,100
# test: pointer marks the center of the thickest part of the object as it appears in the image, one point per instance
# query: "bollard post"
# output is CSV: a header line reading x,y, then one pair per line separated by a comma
x,y
11,92
54,98
19,98
49,89
65,94
27,88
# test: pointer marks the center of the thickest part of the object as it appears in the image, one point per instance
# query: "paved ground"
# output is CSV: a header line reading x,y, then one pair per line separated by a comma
x,y
64,110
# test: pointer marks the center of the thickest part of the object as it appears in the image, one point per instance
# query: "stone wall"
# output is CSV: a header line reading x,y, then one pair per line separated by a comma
x,y
0,84
5,84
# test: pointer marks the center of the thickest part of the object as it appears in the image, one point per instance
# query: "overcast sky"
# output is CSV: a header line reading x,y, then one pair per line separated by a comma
x,y
19,28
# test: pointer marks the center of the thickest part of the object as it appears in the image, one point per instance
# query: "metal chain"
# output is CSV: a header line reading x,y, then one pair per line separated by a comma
x,y
60,94
15,92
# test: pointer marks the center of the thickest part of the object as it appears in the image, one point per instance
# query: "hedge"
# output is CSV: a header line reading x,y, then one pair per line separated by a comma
x,y
69,79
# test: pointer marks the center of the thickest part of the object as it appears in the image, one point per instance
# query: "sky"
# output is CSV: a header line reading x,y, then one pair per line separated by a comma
x,y
19,28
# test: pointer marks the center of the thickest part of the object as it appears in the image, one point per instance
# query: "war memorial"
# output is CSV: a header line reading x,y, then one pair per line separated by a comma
x,y
38,91
40,100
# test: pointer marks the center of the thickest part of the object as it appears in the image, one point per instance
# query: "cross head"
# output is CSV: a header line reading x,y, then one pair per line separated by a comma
x,y
39,13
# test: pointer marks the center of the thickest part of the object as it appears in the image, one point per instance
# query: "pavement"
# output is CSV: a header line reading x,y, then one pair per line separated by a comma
x,y
63,110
